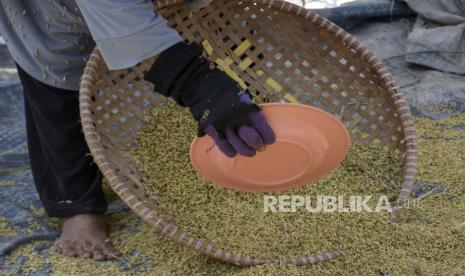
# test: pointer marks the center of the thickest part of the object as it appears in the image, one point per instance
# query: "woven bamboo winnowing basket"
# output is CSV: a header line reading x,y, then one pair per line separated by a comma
x,y
278,50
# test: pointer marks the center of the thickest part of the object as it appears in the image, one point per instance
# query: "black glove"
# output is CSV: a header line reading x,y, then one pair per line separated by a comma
x,y
216,101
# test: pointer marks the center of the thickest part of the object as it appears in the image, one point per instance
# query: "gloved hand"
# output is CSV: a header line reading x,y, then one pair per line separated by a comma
x,y
222,109
195,5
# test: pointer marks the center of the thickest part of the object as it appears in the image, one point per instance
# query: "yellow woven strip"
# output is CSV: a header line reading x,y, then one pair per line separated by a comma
x,y
277,87
228,61
274,84
225,67
225,64
242,48
290,98
208,47
245,63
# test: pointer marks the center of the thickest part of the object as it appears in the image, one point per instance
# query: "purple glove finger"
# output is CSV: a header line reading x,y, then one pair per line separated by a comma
x,y
262,126
251,137
238,144
260,122
245,99
222,144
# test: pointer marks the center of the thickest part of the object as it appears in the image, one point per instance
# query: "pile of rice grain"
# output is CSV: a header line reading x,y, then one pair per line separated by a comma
x,y
425,241
6,230
236,220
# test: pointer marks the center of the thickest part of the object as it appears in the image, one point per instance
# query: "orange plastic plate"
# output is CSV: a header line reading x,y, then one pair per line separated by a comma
x,y
310,143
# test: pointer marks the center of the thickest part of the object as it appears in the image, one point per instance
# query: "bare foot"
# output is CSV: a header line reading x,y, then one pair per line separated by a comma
x,y
85,236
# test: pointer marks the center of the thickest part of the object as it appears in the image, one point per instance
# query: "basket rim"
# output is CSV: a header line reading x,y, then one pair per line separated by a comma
x,y
171,231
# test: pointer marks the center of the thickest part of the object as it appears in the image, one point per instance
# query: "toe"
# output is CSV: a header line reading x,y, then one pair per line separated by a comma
x,y
68,249
69,253
57,247
86,250
110,250
86,254
110,256
98,255
111,253
80,252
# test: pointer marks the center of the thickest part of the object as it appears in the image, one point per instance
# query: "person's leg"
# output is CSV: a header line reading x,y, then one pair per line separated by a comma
x,y
68,182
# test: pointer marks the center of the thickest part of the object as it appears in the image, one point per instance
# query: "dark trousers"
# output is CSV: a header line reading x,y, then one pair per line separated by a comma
x,y
67,180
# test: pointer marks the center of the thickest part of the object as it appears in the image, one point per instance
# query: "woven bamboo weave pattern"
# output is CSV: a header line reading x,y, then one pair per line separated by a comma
x,y
280,52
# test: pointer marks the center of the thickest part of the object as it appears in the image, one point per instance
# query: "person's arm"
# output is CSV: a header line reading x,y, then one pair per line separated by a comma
x,y
127,31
